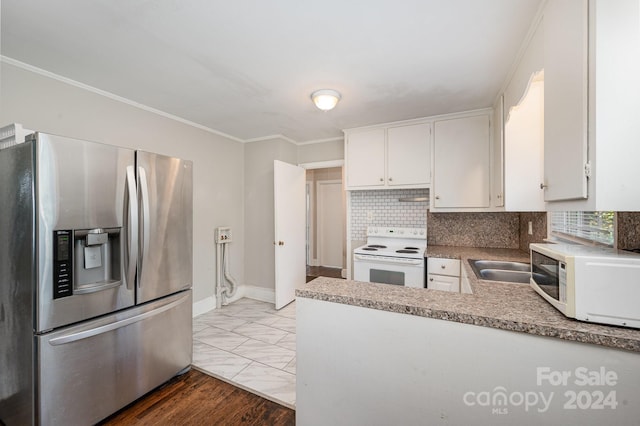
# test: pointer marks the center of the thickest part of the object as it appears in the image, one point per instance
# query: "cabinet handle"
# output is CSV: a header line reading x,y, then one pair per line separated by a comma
x,y
442,266
430,279
499,196
381,179
543,186
437,197
390,179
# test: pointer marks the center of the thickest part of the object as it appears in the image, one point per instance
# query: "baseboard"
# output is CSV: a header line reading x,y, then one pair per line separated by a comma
x,y
259,293
252,292
203,306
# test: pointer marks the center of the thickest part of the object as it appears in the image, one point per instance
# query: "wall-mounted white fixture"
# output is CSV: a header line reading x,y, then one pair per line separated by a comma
x,y
325,99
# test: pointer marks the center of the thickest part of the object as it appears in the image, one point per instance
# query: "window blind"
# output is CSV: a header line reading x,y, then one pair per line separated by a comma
x,y
590,226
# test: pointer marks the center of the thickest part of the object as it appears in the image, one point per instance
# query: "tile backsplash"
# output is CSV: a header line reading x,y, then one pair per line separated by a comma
x,y
498,230
383,208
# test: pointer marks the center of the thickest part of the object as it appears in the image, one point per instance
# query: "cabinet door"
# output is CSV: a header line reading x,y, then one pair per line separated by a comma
x,y
443,282
524,130
439,266
565,99
524,140
497,155
408,155
365,160
461,175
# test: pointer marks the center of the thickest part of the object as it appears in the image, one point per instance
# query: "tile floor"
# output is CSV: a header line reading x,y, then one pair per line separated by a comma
x,y
251,345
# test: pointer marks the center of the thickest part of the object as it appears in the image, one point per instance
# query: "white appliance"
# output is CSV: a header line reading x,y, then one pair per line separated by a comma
x,y
588,283
392,256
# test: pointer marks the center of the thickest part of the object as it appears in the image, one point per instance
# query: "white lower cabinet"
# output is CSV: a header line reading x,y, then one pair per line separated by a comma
x,y
443,274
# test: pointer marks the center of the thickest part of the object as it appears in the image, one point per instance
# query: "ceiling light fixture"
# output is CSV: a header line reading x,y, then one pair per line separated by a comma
x,y
325,99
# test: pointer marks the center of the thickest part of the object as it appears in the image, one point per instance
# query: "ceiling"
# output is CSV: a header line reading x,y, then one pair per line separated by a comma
x,y
246,68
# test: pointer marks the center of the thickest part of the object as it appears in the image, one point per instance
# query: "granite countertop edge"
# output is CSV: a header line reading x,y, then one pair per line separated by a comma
x,y
528,313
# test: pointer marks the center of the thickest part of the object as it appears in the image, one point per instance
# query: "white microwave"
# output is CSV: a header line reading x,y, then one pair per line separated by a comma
x,y
593,284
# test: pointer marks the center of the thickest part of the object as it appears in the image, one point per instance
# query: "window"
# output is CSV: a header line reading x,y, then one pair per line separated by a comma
x,y
584,227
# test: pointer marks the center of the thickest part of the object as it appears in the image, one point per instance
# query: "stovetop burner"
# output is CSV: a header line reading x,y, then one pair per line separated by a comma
x,y
394,243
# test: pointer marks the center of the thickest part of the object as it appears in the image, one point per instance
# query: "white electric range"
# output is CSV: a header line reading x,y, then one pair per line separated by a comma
x,y
392,256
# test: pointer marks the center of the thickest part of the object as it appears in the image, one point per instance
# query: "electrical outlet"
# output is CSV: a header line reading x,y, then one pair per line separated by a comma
x,y
530,228
369,216
223,235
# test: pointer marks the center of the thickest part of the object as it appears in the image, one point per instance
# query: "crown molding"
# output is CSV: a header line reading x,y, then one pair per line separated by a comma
x,y
112,96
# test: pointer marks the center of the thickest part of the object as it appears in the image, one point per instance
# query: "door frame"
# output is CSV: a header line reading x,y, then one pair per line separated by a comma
x,y
326,165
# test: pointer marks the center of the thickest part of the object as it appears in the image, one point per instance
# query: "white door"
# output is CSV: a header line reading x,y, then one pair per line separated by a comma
x,y
330,223
290,223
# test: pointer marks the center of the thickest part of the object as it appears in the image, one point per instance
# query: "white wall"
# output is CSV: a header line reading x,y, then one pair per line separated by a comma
x,y
259,219
46,104
325,151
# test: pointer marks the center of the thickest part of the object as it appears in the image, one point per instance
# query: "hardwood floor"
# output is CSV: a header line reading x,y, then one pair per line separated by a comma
x,y
322,271
198,399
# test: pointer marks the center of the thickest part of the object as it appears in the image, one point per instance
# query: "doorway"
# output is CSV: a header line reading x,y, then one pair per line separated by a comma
x,y
326,212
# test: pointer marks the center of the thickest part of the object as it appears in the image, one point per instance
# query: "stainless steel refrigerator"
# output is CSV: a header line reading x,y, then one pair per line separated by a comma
x,y
95,278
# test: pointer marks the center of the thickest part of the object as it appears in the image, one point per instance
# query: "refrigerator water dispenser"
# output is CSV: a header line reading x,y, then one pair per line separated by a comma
x,y
97,259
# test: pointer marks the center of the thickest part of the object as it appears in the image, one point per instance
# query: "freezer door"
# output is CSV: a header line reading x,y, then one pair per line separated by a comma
x,y
17,274
83,187
165,199
89,371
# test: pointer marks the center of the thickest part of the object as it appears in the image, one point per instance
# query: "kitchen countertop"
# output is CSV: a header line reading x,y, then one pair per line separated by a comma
x,y
505,306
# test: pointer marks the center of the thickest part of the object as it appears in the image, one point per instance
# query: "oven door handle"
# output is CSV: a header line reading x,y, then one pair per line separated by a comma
x,y
376,259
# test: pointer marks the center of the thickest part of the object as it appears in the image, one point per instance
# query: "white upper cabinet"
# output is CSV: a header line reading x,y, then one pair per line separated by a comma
x,y
524,130
365,158
393,156
591,117
524,148
461,166
497,155
408,155
565,101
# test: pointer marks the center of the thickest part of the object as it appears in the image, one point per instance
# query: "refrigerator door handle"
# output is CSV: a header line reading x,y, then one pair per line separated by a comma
x,y
85,334
131,227
144,192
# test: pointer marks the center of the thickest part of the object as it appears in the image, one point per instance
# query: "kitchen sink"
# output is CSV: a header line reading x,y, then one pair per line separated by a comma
x,y
502,275
500,265
497,270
